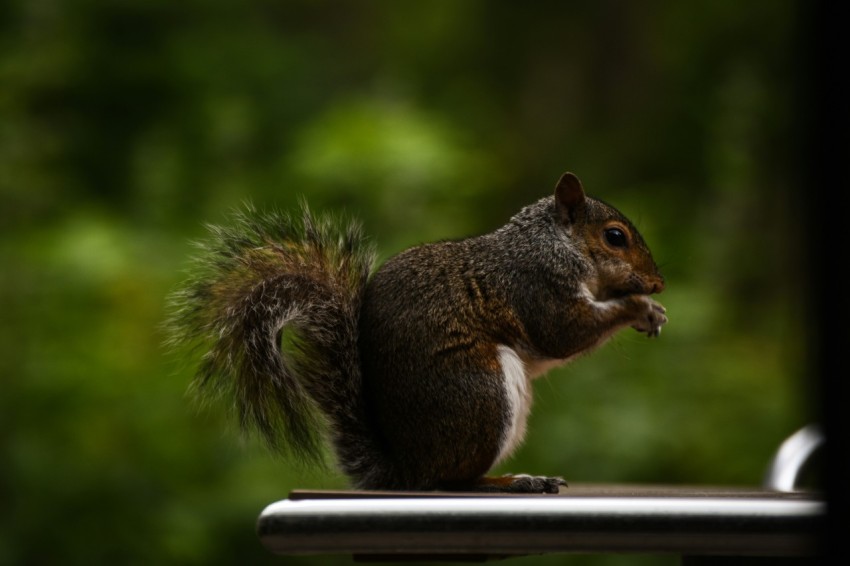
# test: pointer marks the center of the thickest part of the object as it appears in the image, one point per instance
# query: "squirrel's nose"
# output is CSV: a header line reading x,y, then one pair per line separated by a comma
x,y
656,285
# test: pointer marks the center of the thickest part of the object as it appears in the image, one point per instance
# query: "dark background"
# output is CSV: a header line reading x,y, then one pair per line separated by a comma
x,y
125,126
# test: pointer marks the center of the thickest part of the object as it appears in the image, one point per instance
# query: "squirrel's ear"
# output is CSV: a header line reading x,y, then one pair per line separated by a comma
x,y
569,196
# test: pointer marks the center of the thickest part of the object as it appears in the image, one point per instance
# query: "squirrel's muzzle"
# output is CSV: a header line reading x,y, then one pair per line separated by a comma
x,y
642,285
655,285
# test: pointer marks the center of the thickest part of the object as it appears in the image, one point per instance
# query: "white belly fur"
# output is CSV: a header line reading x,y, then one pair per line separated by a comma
x,y
518,394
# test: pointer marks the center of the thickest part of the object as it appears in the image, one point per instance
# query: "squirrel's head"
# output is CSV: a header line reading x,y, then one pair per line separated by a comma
x,y
621,260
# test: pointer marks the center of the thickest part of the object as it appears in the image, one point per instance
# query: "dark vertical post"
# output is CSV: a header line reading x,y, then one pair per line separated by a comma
x,y
823,188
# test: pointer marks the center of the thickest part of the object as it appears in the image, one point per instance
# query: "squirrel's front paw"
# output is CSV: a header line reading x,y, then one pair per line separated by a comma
x,y
652,317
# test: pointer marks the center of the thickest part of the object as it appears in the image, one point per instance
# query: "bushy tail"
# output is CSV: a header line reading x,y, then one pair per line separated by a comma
x,y
274,302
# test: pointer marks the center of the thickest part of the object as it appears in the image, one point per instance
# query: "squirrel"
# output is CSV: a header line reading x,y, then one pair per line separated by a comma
x,y
420,371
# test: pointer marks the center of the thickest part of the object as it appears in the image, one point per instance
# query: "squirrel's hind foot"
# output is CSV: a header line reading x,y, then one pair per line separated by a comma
x,y
519,483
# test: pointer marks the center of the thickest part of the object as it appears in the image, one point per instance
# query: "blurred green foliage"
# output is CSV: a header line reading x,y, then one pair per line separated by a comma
x,y
127,125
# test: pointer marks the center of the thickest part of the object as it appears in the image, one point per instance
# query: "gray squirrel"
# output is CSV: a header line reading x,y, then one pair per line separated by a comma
x,y
420,374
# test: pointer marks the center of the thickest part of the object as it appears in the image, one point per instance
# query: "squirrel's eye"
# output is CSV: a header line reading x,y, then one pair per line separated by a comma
x,y
616,237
